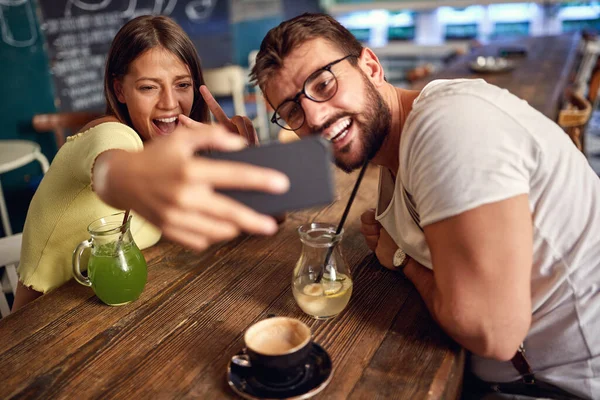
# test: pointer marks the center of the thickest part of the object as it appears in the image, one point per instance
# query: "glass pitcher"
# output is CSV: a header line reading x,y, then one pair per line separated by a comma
x,y
117,269
322,291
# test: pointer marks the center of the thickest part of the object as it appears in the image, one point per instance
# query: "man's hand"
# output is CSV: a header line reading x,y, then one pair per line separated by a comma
x,y
378,239
176,190
238,124
386,247
370,228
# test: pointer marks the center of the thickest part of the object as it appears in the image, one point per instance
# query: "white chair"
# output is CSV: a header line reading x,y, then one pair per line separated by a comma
x,y
228,81
15,154
10,252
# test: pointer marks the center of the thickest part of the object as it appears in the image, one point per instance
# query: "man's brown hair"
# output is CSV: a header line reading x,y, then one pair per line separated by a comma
x,y
138,36
281,40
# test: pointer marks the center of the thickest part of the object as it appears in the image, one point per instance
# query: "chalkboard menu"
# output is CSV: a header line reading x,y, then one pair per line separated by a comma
x,y
79,34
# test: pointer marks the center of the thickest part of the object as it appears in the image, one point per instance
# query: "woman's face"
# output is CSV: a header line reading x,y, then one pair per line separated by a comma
x,y
157,88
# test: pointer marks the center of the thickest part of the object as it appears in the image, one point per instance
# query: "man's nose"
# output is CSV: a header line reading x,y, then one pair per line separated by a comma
x,y
315,114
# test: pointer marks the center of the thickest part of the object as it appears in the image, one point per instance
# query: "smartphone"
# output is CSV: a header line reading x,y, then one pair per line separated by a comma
x,y
306,162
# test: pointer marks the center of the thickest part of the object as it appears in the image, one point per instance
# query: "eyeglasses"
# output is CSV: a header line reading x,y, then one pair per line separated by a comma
x,y
319,87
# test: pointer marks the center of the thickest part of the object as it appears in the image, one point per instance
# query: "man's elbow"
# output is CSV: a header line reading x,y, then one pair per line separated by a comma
x,y
501,350
490,337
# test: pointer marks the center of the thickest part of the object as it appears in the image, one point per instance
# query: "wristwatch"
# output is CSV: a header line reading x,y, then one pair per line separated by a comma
x,y
400,259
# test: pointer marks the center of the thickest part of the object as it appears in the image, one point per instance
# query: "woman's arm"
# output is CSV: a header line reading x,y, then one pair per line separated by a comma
x,y
23,296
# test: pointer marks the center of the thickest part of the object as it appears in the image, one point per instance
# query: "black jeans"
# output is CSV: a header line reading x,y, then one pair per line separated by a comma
x,y
474,388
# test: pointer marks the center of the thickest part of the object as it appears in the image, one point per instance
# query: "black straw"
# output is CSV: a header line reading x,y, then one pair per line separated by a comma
x,y
343,219
123,230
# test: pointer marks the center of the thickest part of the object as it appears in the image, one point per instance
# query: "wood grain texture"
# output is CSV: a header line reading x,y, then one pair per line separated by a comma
x,y
177,339
540,78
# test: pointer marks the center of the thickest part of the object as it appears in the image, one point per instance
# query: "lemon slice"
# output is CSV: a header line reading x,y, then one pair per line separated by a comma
x,y
331,288
346,285
313,289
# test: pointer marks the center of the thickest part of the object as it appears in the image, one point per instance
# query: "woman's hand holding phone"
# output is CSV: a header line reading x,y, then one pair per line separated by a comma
x,y
180,193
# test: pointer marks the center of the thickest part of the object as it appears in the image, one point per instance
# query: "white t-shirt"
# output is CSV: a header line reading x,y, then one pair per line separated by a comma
x,y
467,143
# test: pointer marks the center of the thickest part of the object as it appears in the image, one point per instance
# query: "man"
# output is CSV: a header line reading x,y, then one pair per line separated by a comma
x,y
498,211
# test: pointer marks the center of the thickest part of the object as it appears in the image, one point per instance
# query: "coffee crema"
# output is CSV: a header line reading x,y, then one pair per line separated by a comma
x,y
277,336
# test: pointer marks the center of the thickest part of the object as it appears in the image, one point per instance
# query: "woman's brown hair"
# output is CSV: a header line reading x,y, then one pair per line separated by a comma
x,y
138,36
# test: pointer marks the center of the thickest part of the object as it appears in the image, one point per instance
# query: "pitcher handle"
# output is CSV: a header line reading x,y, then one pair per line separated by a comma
x,y
86,244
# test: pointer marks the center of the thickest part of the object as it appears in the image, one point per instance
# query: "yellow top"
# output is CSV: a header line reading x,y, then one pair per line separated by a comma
x,y
64,205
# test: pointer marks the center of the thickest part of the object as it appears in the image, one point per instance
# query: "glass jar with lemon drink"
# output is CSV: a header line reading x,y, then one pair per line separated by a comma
x,y
321,290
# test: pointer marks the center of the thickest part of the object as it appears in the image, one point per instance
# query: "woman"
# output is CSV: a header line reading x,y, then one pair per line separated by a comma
x,y
142,156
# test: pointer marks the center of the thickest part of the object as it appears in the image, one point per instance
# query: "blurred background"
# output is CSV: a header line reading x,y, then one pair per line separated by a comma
x,y
52,53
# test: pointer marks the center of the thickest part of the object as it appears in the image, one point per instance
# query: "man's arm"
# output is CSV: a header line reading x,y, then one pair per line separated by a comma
x,y
479,291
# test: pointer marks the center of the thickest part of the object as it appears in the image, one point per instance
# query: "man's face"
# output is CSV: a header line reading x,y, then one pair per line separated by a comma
x,y
356,119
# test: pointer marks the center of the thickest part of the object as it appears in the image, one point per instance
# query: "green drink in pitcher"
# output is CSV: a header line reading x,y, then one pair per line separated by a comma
x,y
117,276
116,268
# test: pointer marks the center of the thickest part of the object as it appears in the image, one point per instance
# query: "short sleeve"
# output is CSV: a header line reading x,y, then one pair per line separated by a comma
x,y
462,151
90,144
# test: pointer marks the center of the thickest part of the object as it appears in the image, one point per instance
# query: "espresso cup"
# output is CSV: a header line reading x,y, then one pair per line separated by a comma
x,y
277,349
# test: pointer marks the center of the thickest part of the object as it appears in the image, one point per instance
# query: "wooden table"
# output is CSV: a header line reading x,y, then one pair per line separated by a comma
x,y
541,77
177,339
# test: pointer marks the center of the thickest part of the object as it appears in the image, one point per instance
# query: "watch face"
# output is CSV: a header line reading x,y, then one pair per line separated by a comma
x,y
399,258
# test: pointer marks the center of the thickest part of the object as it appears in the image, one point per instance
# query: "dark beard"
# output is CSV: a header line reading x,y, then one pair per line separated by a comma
x,y
375,129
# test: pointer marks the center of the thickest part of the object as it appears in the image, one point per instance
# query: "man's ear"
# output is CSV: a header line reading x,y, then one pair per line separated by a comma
x,y
118,88
370,65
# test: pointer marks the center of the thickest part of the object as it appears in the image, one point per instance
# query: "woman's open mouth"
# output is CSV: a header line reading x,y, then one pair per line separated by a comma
x,y
165,126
